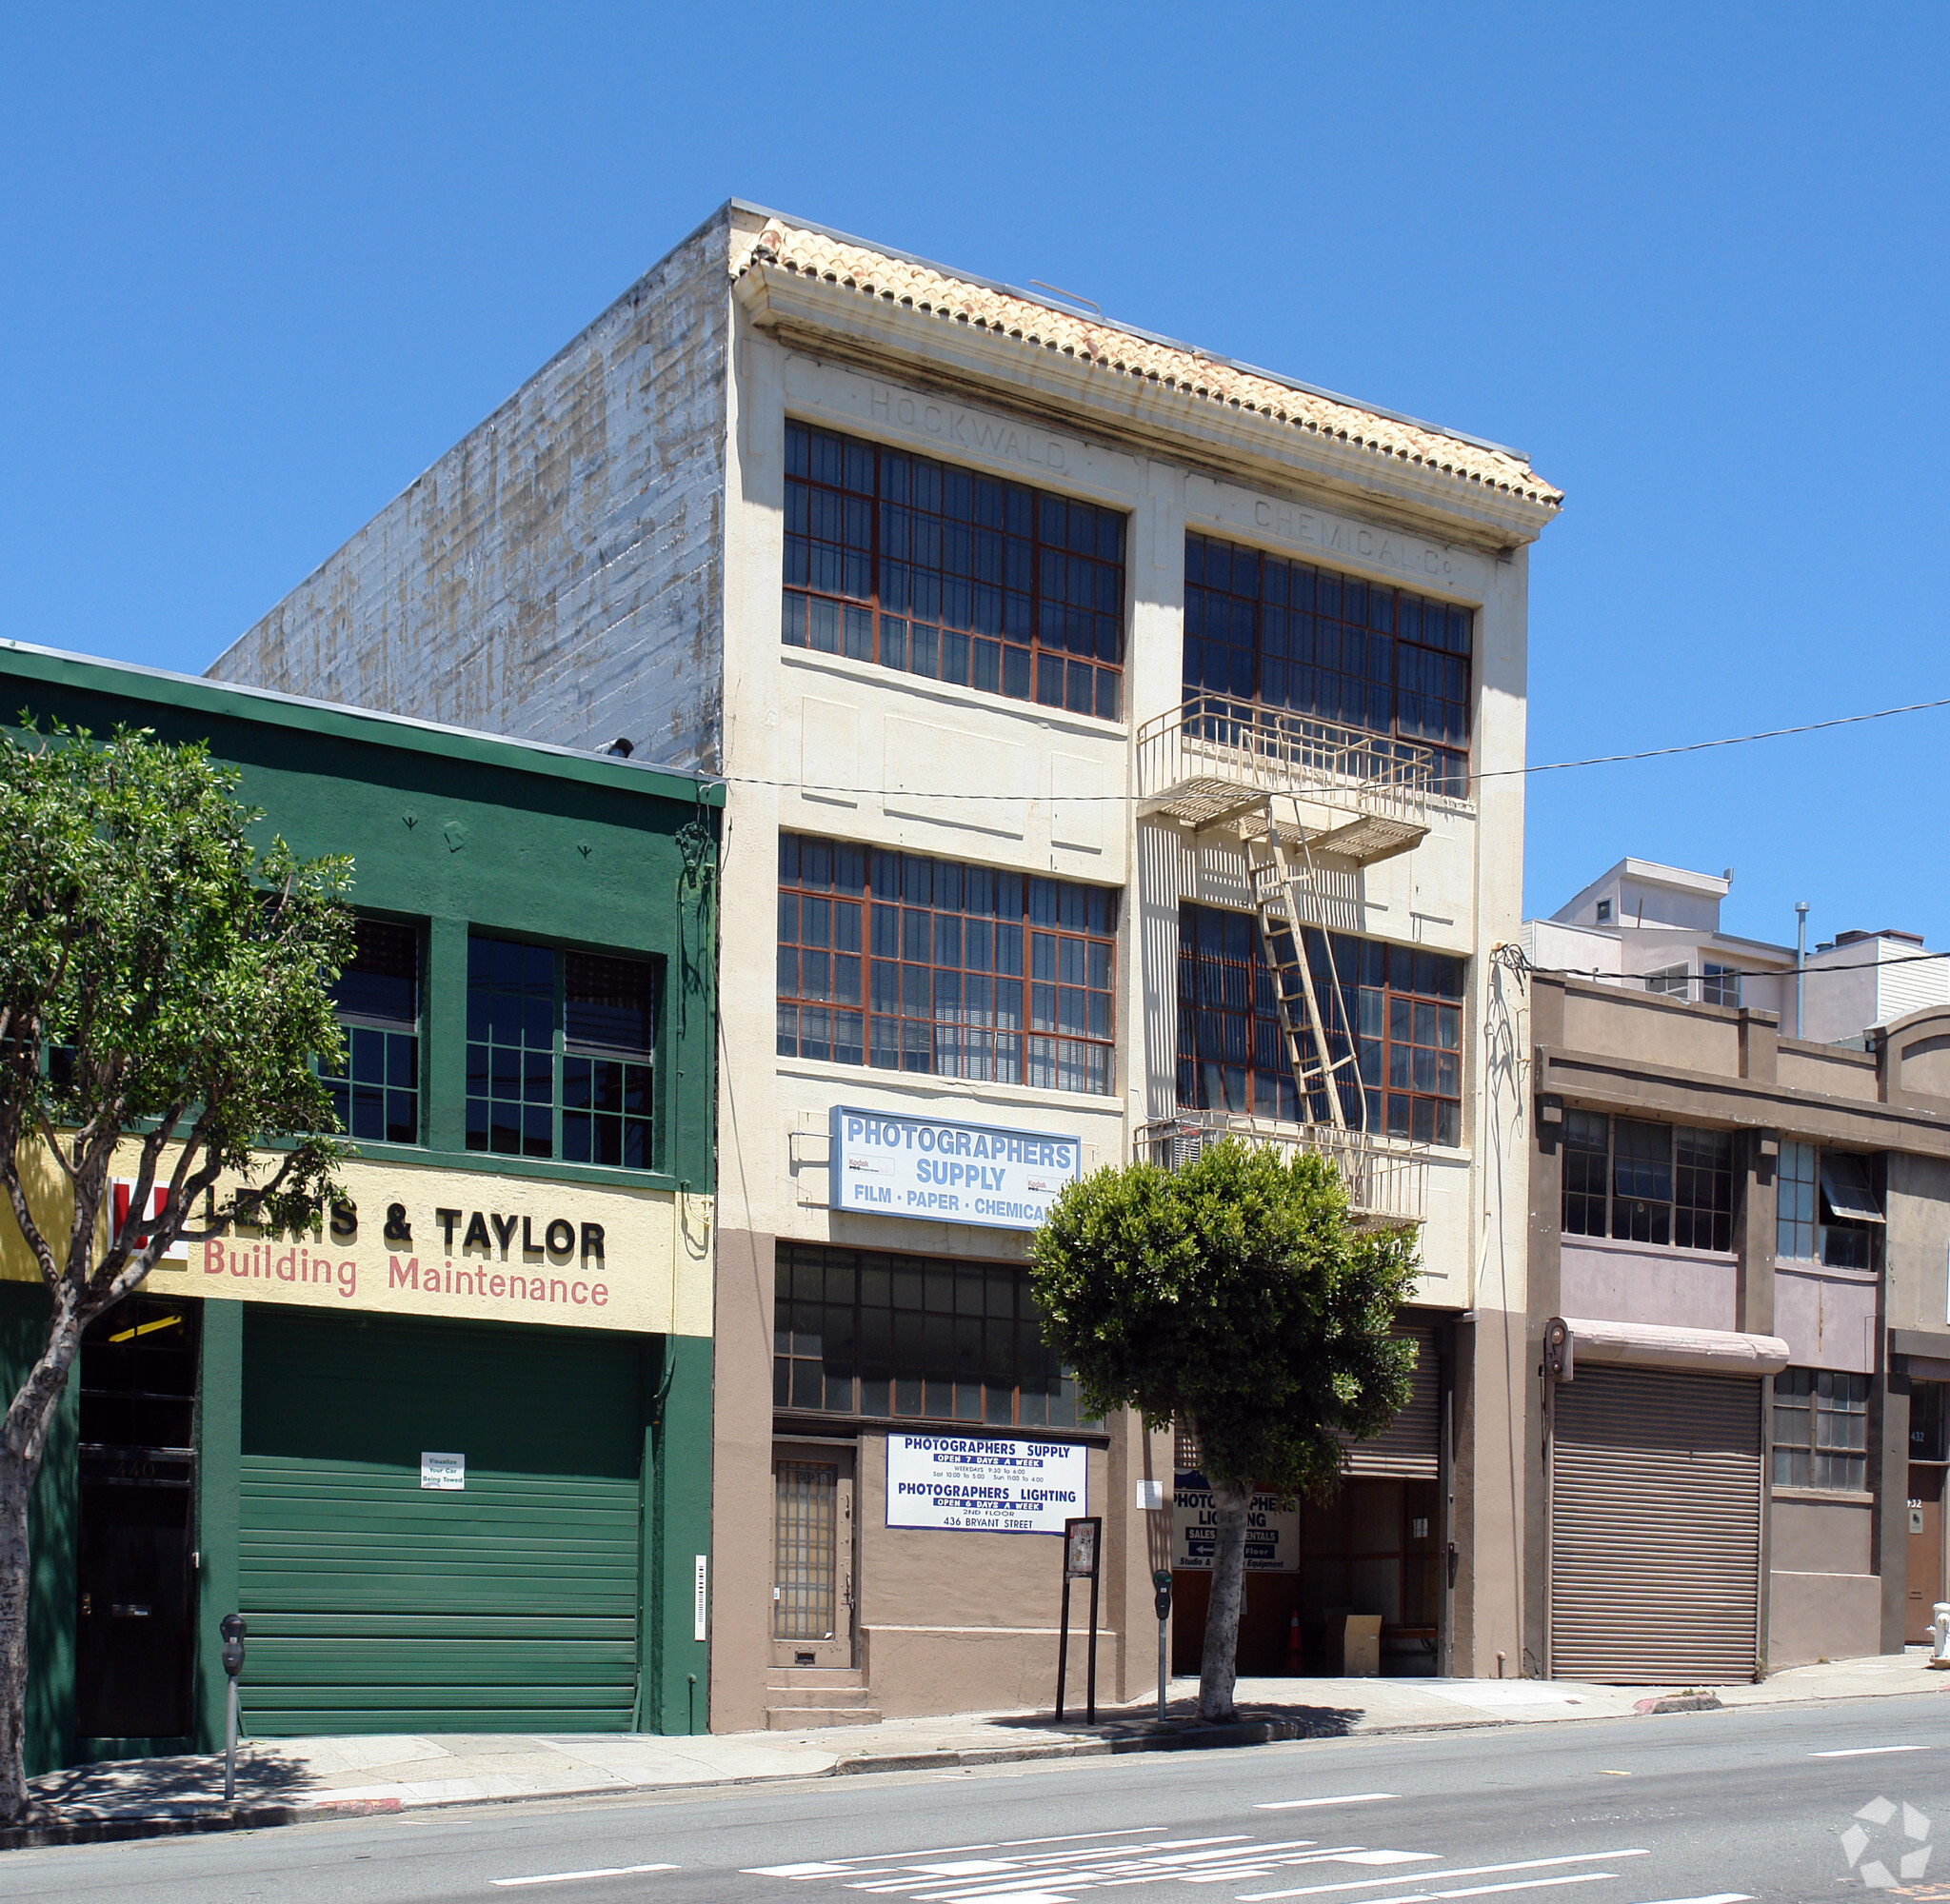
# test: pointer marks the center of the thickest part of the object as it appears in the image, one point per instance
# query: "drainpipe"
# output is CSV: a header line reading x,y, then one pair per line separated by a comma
x,y
1801,958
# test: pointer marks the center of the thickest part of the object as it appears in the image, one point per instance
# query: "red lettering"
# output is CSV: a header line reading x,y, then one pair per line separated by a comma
x,y
580,1294
408,1277
498,1286
599,1294
553,1288
213,1258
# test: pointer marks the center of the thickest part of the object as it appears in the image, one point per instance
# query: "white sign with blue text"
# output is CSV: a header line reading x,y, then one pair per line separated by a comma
x,y
955,1172
972,1484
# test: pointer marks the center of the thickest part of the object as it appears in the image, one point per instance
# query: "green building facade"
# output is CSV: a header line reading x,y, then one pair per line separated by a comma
x,y
451,1457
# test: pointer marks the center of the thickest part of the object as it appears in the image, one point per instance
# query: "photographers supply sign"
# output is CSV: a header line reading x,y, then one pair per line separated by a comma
x,y
903,1167
1272,1530
970,1486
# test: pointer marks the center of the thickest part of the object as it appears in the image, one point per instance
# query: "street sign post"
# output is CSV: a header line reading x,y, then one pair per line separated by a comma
x,y
1083,1541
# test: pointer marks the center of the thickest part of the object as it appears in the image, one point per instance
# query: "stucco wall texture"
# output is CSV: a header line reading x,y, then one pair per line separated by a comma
x,y
557,573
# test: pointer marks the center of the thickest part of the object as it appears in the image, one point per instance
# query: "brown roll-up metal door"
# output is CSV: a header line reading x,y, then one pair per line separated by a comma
x,y
1655,1548
1411,1446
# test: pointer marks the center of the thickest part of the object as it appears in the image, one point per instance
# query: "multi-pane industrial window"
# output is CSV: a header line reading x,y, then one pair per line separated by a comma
x,y
1821,1429
1404,1005
376,1091
1719,985
1647,1184
935,570
535,1015
909,963
1329,646
1825,1207
856,1332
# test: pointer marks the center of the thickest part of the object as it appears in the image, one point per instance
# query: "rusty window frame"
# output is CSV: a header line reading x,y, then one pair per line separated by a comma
x,y
1365,654
933,569
903,962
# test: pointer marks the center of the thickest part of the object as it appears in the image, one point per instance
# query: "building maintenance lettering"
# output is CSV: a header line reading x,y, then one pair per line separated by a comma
x,y
942,1172
973,1485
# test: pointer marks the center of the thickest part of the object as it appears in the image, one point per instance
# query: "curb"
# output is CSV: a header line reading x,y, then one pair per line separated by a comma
x,y
186,1824
1190,1737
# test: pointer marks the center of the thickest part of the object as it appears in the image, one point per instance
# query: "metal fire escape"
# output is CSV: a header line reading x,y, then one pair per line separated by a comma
x,y
1310,803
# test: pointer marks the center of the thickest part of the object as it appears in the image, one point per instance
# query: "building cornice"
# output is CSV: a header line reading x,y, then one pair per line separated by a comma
x,y
1450,488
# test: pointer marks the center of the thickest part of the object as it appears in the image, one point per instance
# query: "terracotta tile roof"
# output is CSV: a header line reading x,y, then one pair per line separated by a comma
x,y
1174,366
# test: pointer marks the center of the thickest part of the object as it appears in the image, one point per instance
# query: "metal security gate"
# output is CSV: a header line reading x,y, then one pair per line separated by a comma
x,y
1655,1547
1410,1448
378,1604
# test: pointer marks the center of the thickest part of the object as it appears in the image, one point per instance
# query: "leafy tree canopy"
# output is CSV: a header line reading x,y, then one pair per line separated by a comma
x,y
1231,1295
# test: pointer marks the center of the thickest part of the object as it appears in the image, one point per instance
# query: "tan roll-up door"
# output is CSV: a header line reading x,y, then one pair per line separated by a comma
x,y
1411,1446
1654,1527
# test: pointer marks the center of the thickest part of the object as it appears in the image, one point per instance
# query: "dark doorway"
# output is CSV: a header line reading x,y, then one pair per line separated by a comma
x,y
136,1630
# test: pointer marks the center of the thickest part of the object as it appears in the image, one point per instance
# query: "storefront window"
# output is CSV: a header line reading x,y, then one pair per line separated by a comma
x,y
1821,1429
908,964
937,571
862,1333
536,1016
376,1093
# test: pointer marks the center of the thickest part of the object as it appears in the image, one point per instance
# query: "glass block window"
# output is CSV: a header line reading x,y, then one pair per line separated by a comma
x,y
1360,654
860,1333
934,571
1821,1429
560,1054
376,1091
1398,1007
909,963
608,1035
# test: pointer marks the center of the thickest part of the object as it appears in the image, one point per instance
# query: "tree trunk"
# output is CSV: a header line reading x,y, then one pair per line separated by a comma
x,y
23,1441
1219,1666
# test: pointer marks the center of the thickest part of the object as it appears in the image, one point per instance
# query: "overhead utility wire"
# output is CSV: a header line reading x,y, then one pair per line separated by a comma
x,y
1494,773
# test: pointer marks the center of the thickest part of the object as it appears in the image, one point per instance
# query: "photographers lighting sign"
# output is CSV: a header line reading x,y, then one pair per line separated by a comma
x,y
956,1173
970,1484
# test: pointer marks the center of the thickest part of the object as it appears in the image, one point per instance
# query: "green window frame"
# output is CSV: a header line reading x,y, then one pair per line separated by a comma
x,y
378,999
560,1053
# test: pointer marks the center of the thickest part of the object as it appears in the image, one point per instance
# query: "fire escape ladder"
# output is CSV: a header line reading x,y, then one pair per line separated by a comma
x,y
1286,891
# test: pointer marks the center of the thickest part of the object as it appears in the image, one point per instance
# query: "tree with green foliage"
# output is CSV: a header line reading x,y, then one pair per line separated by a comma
x,y
1233,1299
164,994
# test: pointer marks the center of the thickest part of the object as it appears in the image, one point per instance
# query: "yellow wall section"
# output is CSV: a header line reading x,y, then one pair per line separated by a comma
x,y
652,1274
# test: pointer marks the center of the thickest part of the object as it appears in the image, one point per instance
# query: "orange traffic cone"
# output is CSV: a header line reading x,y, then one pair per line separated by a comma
x,y
1293,1659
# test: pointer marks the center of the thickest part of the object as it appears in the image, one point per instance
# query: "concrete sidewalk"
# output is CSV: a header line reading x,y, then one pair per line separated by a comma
x,y
281,1780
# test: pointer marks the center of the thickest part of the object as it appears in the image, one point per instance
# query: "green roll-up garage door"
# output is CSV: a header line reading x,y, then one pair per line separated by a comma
x,y
376,1604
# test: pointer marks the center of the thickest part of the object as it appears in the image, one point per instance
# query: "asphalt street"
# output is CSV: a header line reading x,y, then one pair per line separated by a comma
x,y
1794,1802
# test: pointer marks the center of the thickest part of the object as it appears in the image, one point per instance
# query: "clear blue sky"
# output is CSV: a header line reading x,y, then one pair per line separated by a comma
x,y
260,265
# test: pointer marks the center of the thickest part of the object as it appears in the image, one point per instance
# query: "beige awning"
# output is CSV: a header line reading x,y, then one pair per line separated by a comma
x,y
1650,1345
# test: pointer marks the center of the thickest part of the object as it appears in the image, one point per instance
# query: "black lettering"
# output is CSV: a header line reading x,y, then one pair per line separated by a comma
x,y
567,1233
448,1218
503,1229
344,1221
477,1231
593,1242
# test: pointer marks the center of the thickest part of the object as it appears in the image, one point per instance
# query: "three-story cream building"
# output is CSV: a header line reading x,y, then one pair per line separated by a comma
x,y
1123,747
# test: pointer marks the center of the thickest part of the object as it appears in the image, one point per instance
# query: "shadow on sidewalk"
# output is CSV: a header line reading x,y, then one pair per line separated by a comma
x,y
1182,1716
151,1785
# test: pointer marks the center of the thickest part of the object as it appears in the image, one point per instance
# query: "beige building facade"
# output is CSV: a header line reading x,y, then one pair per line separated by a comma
x,y
1122,748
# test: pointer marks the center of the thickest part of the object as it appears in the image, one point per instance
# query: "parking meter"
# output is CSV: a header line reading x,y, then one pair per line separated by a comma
x,y
1161,1581
231,1626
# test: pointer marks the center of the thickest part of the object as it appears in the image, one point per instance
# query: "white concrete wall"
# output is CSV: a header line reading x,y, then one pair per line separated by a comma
x,y
556,574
